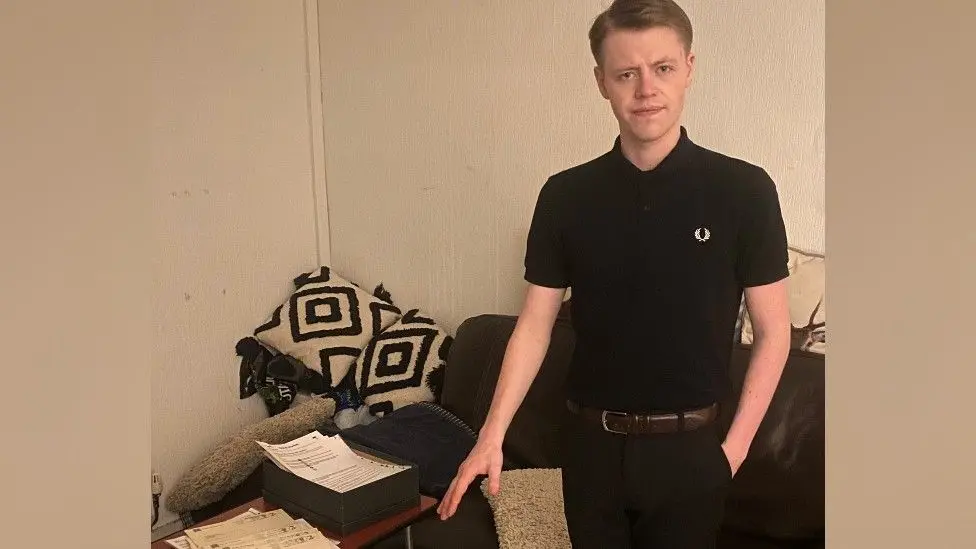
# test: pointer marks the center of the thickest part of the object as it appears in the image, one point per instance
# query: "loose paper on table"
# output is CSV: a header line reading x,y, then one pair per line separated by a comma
x,y
246,531
328,461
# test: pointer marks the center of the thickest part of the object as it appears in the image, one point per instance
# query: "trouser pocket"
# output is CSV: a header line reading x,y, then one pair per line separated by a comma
x,y
720,460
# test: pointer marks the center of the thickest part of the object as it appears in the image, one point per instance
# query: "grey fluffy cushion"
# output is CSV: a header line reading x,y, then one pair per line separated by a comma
x,y
229,464
528,509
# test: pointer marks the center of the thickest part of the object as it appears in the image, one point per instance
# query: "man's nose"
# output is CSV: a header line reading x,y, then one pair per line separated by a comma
x,y
645,85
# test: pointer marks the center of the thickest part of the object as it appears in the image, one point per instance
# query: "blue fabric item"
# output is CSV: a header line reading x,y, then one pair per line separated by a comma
x,y
345,394
421,433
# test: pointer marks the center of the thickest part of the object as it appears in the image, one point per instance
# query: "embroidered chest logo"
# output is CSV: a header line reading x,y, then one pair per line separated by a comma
x,y
702,234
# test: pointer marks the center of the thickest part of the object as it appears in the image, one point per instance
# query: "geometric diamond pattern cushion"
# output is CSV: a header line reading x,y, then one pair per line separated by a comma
x,y
403,365
326,323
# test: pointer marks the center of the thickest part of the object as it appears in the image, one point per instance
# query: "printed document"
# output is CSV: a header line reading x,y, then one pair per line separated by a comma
x,y
247,531
221,532
328,461
294,536
184,542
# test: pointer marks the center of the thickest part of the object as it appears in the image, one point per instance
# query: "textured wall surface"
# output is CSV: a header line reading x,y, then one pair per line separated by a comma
x,y
443,119
233,207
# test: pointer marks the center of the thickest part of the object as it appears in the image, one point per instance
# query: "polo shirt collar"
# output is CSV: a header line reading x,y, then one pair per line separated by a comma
x,y
678,155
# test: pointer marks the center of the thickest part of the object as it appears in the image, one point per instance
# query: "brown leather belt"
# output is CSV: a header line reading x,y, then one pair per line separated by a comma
x,y
625,423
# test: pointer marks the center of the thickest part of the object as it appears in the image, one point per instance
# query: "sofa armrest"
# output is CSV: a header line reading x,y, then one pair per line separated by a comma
x,y
230,463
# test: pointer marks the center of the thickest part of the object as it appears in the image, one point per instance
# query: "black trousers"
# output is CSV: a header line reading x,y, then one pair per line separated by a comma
x,y
660,491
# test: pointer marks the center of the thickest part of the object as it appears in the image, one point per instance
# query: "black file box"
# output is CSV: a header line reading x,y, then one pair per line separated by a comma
x,y
343,512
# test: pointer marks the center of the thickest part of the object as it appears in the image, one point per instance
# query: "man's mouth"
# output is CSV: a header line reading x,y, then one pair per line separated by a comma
x,y
647,111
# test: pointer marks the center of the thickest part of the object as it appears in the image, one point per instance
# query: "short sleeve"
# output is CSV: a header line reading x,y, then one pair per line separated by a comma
x,y
763,256
545,258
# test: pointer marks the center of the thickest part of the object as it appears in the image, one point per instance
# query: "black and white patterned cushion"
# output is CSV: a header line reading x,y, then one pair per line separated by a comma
x,y
403,365
326,323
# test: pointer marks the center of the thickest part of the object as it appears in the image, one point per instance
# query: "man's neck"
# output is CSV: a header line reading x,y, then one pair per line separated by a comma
x,y
647,155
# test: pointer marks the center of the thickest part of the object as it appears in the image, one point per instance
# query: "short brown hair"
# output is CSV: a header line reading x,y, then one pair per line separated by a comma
x,y
639,15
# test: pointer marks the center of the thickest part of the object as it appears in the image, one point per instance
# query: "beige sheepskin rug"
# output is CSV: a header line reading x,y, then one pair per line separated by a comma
x,y
528,509
232,462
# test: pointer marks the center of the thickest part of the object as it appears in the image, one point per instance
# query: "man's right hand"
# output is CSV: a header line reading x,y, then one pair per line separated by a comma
x,y
485,459
523,356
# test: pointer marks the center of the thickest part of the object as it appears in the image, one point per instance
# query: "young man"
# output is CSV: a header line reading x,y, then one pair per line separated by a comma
x,y
659,239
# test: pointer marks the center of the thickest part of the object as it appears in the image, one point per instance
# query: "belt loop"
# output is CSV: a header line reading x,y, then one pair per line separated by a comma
x,y
681,422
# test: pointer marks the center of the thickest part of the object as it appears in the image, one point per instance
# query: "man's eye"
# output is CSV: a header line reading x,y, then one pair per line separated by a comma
x,y
665,68
627,75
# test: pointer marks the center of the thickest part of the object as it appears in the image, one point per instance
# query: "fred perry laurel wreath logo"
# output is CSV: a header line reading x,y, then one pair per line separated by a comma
x,y
702,234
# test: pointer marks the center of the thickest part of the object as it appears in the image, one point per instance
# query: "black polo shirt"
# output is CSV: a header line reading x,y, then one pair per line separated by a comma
x,y
657,262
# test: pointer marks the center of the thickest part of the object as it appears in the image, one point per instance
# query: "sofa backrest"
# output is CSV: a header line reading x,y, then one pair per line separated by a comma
x,y
472,372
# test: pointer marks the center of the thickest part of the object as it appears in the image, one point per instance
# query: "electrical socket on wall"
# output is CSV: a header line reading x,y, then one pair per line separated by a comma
x,y
157,483
156,489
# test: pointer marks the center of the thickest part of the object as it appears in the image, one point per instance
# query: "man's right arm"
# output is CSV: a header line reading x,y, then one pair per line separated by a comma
x,y
524,354
523,357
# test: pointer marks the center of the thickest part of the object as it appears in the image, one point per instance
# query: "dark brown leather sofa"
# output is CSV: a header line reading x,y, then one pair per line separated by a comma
x,y
776,499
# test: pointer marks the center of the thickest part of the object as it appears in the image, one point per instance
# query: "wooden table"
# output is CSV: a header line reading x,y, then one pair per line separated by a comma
x,y
356,540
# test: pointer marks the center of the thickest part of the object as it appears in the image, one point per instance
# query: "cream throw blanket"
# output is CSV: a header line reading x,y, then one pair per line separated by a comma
x,y
230,463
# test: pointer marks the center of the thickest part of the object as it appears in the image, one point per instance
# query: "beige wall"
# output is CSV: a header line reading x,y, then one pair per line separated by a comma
x,y
443,119
232,175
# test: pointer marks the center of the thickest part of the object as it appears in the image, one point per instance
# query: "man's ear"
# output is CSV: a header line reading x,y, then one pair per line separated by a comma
x,y
598,74
691,69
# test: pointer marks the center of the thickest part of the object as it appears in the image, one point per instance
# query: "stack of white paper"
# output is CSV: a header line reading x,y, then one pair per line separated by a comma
x,y
255,530
328,461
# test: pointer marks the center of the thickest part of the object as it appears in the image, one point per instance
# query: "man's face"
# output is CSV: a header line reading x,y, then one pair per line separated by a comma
x,y
644,76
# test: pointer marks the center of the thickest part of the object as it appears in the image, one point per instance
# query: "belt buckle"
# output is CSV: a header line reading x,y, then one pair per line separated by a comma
x,y
603,420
